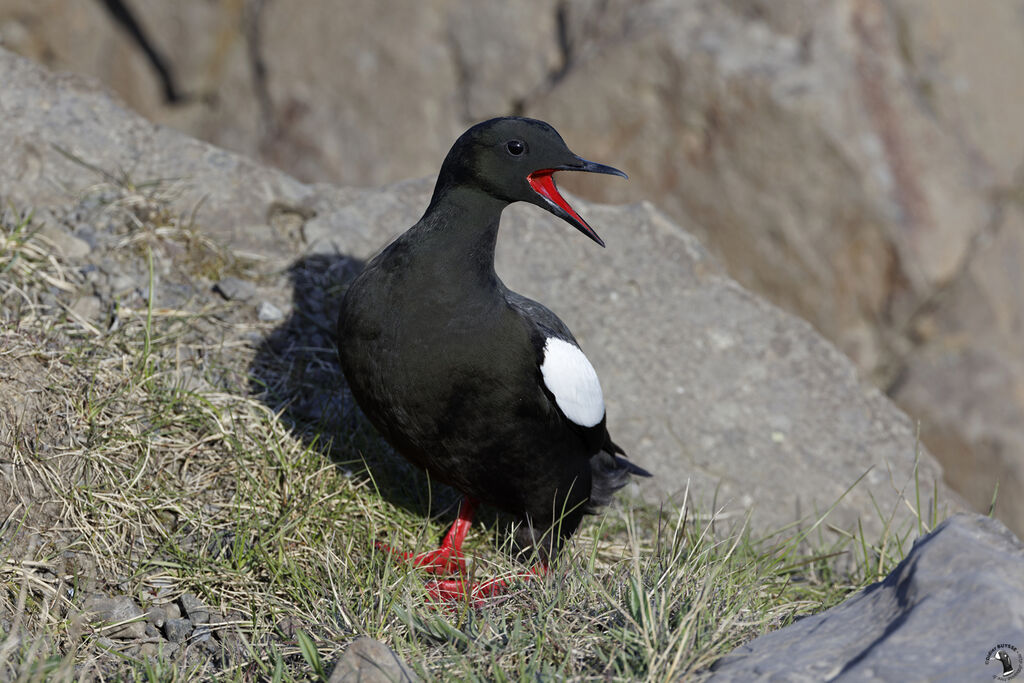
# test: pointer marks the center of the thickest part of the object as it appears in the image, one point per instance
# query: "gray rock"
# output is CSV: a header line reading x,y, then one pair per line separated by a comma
x,y
849,170
122,283
269,313
818,173
213,647
156,615
67,245
149,650
448,64
194,609
967,386
177,630
366,660
941,615
112,610
172,611
42,113
215,621
235,289
86,233
88,308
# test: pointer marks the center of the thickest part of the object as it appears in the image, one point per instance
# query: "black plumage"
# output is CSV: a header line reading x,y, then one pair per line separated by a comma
x,y
446,361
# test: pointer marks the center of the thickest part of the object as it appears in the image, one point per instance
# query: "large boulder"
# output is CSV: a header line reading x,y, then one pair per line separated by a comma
x,y
854,161
808,163
944,614
965,381
707,385
360,94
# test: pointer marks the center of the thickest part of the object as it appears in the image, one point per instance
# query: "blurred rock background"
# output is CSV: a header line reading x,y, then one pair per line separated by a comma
x,y
858,162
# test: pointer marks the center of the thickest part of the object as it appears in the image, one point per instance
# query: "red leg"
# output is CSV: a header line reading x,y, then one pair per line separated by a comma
x,y
448,558
460,589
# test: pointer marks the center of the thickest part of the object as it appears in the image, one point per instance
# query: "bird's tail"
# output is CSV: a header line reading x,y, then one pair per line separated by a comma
x,y
608,474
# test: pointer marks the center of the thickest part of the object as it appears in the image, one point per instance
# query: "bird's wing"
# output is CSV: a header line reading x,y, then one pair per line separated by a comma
x,y
539,316
566,373
571,382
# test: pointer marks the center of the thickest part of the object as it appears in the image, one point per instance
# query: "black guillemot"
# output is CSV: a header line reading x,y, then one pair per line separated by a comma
x,y
485,389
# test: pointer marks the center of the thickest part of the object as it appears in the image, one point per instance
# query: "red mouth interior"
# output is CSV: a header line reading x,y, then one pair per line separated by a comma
x,y
543,184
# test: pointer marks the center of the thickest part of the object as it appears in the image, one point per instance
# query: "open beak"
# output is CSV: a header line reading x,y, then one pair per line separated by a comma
x,y
543,183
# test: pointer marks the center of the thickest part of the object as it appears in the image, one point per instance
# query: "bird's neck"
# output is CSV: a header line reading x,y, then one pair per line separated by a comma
x,y
459,232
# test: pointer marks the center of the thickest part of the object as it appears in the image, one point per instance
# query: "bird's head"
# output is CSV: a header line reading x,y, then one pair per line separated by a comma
x,y
514,159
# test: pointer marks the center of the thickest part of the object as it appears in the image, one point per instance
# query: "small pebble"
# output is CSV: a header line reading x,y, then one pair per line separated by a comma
x,y
177,630
194,609
112,610
69,246
150,650
254,339
86,233
268,312
211,646
366,659
121,283
88,308
156,616
235,289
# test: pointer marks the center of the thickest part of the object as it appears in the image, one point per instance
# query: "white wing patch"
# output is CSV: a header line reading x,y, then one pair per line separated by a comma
x,y
571,378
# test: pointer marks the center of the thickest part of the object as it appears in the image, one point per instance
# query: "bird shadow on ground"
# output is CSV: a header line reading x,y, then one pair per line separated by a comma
x,y
296,373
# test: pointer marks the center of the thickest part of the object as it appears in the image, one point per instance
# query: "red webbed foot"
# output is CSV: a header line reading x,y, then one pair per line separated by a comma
x,y
448,559
453,590
444,560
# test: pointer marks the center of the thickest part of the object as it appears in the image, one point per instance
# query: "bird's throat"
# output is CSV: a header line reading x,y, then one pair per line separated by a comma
x,y
458,235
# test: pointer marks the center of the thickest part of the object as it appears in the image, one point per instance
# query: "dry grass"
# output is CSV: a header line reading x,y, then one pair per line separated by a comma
x,y
135,460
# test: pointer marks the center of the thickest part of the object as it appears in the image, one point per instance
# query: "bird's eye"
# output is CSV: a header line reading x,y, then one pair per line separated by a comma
x,y
515,147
